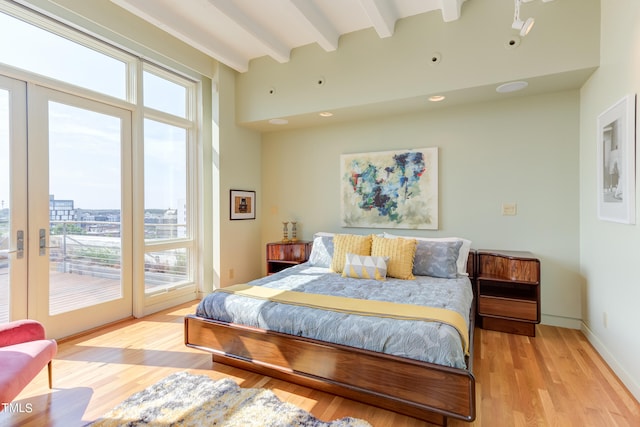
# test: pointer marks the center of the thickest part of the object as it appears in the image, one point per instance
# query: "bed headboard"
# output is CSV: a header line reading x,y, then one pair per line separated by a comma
x,y
471,264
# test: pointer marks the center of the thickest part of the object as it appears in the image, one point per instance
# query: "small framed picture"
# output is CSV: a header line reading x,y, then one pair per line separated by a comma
x,y
243,204
617,162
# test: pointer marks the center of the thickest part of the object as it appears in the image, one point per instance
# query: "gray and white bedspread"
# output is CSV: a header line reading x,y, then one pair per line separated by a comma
x,y
433,342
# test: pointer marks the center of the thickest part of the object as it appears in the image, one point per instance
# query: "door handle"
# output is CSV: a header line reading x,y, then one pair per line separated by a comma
x,y
19,244
19,250
42,241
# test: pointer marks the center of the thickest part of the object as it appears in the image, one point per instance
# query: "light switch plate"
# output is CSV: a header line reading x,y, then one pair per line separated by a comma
x,y
509,209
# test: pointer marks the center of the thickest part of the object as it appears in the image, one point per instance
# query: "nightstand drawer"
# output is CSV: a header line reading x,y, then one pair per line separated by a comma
x,y
298,252
505,307
281,255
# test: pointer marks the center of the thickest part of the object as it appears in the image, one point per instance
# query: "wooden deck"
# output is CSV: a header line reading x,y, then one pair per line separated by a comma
x,y
71,291
68,291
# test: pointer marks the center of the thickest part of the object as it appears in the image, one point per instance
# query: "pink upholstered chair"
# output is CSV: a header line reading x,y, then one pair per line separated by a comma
x,y
24,351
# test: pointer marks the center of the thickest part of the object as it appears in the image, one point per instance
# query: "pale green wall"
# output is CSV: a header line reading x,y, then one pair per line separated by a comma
x,y
522,150
239,254
609,251
366,69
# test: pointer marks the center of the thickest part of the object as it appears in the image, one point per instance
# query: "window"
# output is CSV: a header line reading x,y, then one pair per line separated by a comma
x,y
168,158
162,94
5,206
164,129
165,177
39,51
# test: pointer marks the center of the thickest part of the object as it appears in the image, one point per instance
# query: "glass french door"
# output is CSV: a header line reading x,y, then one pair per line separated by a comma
x,y
77,245
13,199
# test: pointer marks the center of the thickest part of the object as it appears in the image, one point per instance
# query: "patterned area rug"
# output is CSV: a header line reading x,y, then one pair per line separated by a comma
x,y
183,399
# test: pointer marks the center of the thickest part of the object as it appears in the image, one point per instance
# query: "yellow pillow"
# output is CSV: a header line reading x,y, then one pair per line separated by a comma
x,y
344,244
400,252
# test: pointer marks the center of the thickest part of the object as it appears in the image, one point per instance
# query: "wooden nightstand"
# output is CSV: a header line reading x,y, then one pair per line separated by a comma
x,y
284,255
508,291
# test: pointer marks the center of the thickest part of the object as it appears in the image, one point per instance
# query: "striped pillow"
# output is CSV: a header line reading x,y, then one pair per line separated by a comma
x,y
365,267
344,244
400,252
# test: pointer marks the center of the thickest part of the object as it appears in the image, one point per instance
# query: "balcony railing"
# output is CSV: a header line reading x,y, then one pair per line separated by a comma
x,y
85,265
94,248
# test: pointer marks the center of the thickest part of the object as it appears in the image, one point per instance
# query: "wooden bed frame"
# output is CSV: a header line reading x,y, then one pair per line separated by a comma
x,y
419,389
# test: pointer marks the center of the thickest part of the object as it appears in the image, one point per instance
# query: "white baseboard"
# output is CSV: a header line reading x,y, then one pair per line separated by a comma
x,y
619,370
561,322
168,303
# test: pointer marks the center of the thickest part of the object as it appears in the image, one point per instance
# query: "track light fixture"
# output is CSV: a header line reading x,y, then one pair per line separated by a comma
x,y
518,24
523,27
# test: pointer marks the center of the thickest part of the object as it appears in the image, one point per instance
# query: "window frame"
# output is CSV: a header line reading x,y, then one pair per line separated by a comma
x,y
189,124
135,65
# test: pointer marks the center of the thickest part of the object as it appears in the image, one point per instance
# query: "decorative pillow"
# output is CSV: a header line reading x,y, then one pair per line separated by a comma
x,y
321,251
365,267
344,244
400,252
437,259
323,234
464,249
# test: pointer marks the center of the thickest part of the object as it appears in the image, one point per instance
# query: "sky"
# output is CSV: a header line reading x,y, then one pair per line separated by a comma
x,y
84,146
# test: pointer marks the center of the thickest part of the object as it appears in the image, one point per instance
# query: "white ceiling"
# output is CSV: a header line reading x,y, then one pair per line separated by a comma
x,y
236,31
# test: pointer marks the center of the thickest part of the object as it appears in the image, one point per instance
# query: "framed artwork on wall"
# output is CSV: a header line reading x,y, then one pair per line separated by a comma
x,y
242,204
390,189
616,155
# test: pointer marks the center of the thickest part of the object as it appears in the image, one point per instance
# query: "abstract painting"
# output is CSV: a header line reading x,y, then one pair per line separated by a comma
x,y
390,189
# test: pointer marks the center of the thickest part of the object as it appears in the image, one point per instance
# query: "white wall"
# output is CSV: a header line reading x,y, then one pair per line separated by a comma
x,y
522,150
609,251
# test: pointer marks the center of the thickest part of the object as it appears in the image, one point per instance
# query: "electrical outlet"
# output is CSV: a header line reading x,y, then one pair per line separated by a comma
x,y
509,209
604,319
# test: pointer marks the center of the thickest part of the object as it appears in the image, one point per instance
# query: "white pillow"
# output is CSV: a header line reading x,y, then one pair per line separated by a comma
x,y
323,234
463,256
321,252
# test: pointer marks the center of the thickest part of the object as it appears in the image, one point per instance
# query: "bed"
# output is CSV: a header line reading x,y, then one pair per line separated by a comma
x,y
388,324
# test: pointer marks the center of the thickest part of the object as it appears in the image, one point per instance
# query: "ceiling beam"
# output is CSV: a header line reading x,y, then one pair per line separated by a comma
x,y
274,48
324,32
451,9
222,52
182,30
382,16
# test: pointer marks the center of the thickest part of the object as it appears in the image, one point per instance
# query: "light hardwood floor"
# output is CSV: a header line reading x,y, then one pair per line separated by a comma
x,y
554,379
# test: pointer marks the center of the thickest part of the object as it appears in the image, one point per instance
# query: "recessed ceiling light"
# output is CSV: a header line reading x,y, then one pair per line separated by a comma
x,y
278,121
436,98
511,87
326,114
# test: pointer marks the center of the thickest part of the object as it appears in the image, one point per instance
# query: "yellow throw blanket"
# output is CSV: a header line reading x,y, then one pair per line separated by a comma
x,y
357,306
